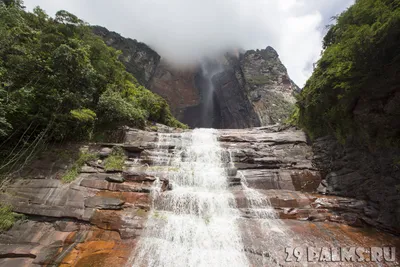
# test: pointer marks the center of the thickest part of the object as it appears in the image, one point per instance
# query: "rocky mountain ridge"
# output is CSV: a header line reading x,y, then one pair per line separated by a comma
x,y
237,90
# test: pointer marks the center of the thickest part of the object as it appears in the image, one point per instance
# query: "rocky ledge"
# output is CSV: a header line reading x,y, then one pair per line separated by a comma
x,y
97,219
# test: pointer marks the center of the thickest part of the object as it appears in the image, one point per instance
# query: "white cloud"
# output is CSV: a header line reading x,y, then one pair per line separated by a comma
x,y
185,30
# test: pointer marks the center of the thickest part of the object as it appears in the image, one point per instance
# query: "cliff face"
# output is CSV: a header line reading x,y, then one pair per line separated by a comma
x,y
236,111
176,86
138,58
232,91
267,85
353,170
210,94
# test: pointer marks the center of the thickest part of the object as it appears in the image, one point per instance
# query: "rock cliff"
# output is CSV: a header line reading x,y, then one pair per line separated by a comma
x,y
98,219
267,85
236,111
353,170
235,90
232,91
177,86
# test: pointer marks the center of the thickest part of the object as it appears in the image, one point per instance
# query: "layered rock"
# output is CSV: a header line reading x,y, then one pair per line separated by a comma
x,y
138,58
97,219
278,165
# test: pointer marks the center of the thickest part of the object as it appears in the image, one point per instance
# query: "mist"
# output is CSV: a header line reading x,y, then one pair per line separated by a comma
x,y
184,31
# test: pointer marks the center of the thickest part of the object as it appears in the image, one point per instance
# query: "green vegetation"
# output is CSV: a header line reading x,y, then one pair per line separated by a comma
x,y
73,172
141,213
361,58
8,217
162,168
261,79
154,128
115,161
157,215
60,82
207,219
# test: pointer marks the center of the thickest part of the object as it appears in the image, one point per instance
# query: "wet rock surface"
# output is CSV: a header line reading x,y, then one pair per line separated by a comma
x,y
97,219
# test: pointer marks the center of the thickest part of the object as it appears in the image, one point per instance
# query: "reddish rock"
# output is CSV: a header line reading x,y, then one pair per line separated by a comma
x,y
176,86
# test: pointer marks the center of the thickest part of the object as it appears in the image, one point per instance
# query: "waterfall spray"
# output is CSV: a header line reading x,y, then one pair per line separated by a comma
x,y
194,224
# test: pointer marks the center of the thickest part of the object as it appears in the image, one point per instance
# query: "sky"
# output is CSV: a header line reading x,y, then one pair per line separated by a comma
x,y
184,31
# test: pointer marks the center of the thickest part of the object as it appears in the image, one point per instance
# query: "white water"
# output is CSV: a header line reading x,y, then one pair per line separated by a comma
x,y
259,207
274,232
194,224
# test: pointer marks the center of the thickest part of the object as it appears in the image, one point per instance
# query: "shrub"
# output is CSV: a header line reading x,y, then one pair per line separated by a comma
x,y
115,161
361,58
8,217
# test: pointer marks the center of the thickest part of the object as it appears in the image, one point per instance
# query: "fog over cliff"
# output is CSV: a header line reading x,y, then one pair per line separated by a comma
x,y
183,31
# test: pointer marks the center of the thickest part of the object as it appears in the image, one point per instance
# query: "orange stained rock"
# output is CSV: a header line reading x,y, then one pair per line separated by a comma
x,y
70,238
97,254
100,234
107,219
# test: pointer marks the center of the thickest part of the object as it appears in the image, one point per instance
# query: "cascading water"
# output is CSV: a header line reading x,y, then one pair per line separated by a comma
x,y
274,232
195,223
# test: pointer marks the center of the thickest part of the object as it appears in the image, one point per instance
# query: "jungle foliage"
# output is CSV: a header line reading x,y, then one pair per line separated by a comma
x,y
60,82
360,59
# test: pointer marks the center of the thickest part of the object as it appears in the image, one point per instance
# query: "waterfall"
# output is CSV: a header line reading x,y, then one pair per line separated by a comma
x,y
261,210
210,108
196,223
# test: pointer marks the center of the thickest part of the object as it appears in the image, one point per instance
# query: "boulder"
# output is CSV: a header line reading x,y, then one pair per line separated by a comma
x,y
105,152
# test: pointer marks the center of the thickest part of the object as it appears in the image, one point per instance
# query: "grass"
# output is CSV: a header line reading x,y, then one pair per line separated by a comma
x,y
115,162
8,217
70,175
141,212
154,128
73,172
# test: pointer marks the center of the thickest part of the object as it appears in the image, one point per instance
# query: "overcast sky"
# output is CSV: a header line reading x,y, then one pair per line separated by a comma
x,y
186,30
